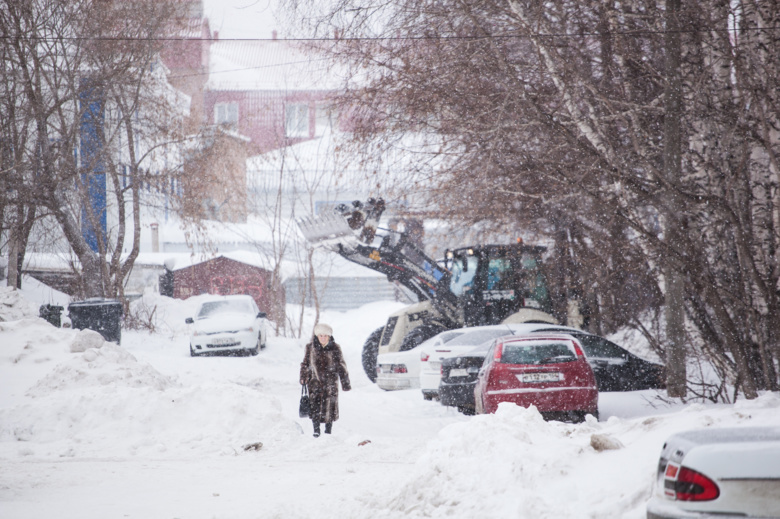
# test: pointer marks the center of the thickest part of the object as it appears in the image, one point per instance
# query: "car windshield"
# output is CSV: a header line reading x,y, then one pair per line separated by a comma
x,y
448,336
536,352
479,336
481,350
212,308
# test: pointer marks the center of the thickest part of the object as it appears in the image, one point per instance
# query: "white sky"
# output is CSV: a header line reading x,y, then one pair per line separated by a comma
x,y
242,18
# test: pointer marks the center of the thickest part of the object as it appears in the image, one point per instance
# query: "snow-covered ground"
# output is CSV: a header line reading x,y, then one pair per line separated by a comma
x,y
142,430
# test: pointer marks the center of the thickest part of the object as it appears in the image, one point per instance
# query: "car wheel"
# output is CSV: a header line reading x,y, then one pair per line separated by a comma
x,y
370,351
579,416
192,352
467,410
259,346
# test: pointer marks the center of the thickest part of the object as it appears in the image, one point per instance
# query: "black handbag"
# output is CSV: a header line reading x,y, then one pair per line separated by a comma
x,y
304,409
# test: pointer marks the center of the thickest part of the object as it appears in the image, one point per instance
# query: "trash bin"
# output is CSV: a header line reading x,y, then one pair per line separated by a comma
x,y
52,313
166,283
102,315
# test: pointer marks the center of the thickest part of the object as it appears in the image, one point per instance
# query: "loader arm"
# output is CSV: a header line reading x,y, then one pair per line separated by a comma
x,y
350,232
406,264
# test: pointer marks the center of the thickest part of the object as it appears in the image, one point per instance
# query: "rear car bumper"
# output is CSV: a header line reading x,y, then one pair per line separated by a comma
x,y
429,380
457,395
661,509
546,399
224,342
393,383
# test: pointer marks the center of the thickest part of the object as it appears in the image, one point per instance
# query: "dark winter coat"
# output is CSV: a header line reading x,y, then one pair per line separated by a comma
x,y
321,369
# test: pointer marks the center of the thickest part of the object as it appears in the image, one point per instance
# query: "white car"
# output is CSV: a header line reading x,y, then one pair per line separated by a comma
x,y
432,355
227,324
718,473
401,370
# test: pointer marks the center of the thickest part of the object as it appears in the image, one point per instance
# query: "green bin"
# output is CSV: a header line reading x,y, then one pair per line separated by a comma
x,y
102,315
52,313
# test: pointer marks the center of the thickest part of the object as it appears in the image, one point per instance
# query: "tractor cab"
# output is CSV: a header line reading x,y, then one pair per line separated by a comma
x,y
492,282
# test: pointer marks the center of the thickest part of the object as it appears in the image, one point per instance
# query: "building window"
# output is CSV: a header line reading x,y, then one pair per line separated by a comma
x,y
296,122
323,119
226,113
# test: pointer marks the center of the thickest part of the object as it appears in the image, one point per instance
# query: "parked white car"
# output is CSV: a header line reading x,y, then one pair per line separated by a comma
x,y
432,354
227,324
401,370
718,473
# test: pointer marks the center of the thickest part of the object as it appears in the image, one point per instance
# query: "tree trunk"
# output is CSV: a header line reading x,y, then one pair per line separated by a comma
x,y
672,163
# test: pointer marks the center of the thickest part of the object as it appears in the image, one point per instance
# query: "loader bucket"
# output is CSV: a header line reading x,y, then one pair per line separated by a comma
x,y
347,225
326,228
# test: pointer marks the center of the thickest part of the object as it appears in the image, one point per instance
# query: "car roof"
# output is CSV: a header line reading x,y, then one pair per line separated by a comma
x,y
728,435
212,298
483,347
232,297
536,336
435,339
471,335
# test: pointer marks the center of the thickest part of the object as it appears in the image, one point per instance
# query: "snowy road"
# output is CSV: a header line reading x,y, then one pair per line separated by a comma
x,y
155,468
145,431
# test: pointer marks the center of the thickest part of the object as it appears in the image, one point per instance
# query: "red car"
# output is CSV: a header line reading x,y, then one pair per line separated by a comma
x,y
548,371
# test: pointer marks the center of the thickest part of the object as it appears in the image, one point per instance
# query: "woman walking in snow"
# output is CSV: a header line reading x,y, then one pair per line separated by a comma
x,y
322,367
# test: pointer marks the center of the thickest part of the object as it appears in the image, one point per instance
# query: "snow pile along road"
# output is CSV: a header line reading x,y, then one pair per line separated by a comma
x,y
103,401
521,466
13,306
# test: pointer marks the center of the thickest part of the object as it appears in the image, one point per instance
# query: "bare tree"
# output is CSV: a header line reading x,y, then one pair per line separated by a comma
x,y
287,184
90,121
552,115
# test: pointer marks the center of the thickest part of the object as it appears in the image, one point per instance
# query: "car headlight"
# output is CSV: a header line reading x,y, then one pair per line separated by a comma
x,y
250,329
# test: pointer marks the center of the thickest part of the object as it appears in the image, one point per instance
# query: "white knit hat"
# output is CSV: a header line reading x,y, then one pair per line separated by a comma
x,y
323,329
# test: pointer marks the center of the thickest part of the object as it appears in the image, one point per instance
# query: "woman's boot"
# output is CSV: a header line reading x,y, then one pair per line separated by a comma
x,y
317,429
328,427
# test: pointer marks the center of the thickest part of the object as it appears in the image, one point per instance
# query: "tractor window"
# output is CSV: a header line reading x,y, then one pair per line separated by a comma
x,y
462,280
389,329
536,285
501,275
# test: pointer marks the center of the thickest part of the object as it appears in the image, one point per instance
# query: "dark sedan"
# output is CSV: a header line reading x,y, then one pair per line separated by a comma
x,y
615,369
458,378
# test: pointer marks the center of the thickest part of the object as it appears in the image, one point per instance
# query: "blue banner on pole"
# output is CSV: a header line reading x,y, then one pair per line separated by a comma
x,y
94,173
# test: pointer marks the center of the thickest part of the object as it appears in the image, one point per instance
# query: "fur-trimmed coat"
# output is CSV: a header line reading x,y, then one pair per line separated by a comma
x,y
321,369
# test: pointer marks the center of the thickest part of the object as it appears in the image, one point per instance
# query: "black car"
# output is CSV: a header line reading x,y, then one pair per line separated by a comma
x,y
459,376
615,369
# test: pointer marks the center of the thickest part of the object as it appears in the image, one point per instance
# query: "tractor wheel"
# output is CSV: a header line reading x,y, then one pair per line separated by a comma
x,y
370,350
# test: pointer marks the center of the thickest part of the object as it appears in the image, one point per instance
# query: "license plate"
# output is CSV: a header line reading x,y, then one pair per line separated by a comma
x,y
434,366
540,377
221,341
458,372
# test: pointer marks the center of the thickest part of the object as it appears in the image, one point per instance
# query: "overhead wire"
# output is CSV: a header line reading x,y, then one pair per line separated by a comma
x,y
382,38
402,38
